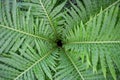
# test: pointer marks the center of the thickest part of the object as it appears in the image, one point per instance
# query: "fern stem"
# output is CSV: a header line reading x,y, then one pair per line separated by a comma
x,y
75,66
103,10
95,42
29,34
34,64
52,26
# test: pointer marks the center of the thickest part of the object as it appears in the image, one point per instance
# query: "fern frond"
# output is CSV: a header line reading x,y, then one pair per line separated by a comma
x,y
46,9
97,30
19,25
24,66
72,68
84,9
97,39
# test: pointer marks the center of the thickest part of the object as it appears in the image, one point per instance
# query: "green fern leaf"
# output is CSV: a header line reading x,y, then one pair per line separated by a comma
x,y
59,40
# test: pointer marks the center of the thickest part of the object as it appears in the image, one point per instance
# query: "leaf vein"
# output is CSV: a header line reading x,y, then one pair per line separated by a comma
x,y
29,34
75,66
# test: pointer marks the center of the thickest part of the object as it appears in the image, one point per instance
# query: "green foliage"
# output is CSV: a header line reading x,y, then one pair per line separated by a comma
x,y
45,40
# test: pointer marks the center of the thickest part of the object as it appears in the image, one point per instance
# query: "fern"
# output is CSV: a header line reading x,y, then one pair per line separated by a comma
x,y
49,40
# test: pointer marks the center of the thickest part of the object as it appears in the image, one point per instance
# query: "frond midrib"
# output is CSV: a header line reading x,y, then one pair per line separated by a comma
x,y
103,11
74,65
26,33
94,42
52,26
47,54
